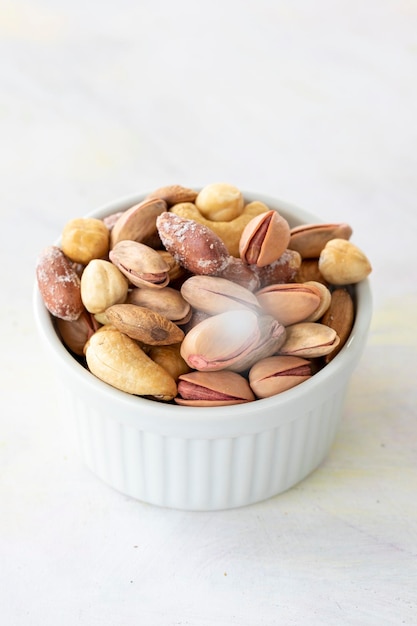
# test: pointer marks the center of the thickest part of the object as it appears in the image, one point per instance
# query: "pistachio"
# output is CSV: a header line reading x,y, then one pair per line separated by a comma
x,y
59,284
144,325
343,263
75,334
84,239
309,340
339,316
220,202
137,223
166,301
102,284
289,303
275,374
213,389
231,341
169,357
173,194
310,239
142,265
325,300
216,295
118,360
264,239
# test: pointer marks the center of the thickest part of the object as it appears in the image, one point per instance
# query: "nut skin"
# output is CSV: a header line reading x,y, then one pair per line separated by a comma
x,y
102,284
118,360
276,374
221,388
340,316
138,223
75,334
59,284
310,239
193,245
264,239
144,325
142,265
343,263
84,239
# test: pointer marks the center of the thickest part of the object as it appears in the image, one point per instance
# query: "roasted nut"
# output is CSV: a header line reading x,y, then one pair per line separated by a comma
x,y
118,360
339,316
216,295
220,202
309,340
173,194
229,232
289,303
59,284
102,285
275,374
166,301
231,341
343,263
142,265
137,223
283,270
84,239
144,325
213,389
264,239
75,334
169,357
309,270
310,239
193,245
325,299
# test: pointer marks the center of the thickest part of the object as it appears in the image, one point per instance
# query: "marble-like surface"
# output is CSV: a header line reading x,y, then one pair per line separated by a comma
x,y
313,102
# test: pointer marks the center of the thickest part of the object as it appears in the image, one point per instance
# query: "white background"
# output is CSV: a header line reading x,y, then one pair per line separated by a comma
x,y
312,102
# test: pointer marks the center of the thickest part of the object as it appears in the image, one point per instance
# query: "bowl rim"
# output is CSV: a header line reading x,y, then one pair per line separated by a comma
x,y
234,418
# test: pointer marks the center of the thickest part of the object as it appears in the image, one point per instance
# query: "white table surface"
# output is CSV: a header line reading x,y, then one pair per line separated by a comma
x,y
313,102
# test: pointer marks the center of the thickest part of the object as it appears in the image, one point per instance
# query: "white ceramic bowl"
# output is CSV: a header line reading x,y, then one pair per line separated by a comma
x,y
205,458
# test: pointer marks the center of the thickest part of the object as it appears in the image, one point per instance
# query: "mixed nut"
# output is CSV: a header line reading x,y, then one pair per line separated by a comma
x,y
201,298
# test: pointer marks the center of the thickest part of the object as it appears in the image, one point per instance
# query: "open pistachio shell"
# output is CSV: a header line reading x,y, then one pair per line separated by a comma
x,y
289,303
309,340
264,239
214,295
275,374
213,389
142,265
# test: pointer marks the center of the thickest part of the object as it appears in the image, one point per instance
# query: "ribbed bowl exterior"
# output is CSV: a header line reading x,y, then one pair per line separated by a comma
x,y
204,459
204,474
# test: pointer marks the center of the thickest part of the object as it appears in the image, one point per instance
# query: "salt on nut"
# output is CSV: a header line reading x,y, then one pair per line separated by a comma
x,y
59,284
84,239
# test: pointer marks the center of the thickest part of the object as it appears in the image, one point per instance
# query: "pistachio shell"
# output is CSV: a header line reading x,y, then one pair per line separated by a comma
x,y
221,388
216,295
142,265
166,301
309,339
343,263
275,374
137,223
264,239
325,300
310,239
118,360
289,303
233,340
144,325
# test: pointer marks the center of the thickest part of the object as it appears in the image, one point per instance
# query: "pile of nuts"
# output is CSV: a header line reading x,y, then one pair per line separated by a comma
x,y
200,298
